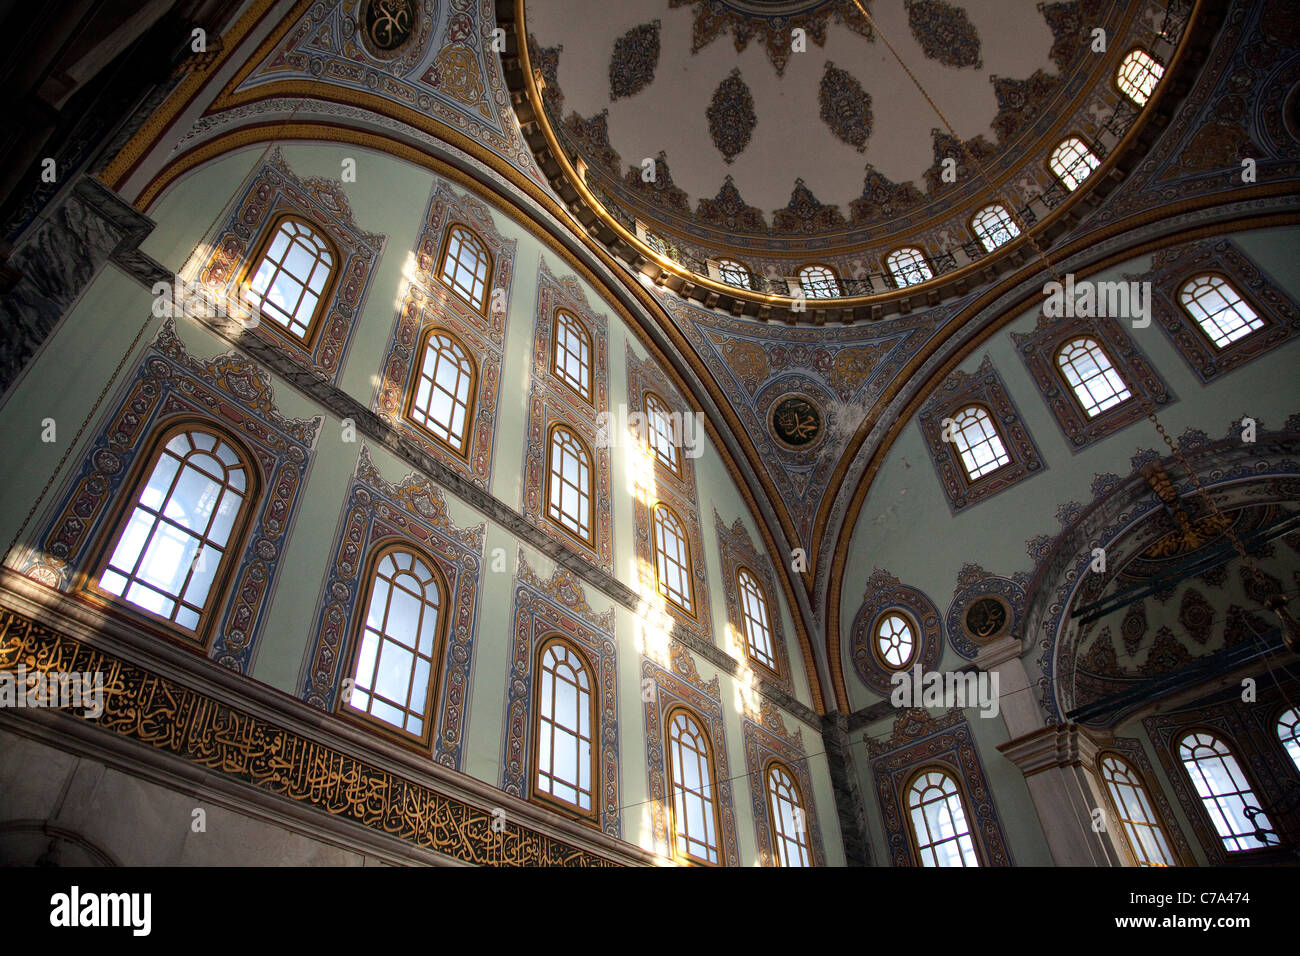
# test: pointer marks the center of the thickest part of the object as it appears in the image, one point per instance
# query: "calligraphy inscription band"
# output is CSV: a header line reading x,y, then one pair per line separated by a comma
x,y
155,710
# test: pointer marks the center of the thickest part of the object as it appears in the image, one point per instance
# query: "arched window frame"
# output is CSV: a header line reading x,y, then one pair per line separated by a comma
x,y
1072,390
1002,438
254,263
235,541
1138,853
1195,323
962,796
714,794
817,287
981,230
1158,73
592,814
584,389
417,371
912,624
688,570
674,465
772,665
916,261
1248,841
779,836
735,274
1061,170
1290,743
589,492
444,254
432,702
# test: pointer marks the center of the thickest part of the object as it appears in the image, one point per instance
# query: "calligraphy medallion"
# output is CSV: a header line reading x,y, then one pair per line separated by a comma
x,y
796,422
987,618
386,26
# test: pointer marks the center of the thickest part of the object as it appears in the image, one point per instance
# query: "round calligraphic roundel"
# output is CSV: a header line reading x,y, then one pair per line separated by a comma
x,y
796,422
987,618
387,25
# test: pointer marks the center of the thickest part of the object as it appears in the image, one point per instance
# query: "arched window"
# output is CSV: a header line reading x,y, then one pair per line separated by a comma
x,y
979,446
789,823
994,227
672,558
1288,731
1138,75
693,806
443,399
1218,309
571,352
1087,369
895,641
755,621
290,276
564,719
937,815
818,282
660,432
466,266
1138,820
175,546
733,273
1073,162
398,643
570,482
908,266
1224,791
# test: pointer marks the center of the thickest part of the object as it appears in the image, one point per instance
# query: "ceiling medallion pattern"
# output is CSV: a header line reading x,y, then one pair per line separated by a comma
x,y
845,106
796,422
731,116
387,25
944,32
729,211
634,61
770,24
804,215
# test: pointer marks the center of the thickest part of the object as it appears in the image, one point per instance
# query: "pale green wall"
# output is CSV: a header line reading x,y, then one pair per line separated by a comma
x,y
906,527
389,197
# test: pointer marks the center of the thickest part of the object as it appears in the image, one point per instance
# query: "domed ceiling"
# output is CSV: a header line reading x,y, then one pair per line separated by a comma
x,y
773,129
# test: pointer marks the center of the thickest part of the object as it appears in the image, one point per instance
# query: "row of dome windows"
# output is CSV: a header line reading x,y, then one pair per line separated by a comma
x,y
1071,162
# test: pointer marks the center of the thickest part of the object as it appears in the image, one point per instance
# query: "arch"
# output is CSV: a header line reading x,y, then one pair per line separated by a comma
x,y
1072,162
397,643
465,266
570,483
1223,788
788,815
1140,825
819,282
895,640
572,354
1091,376
291,277
735,273
908,266
693,803
444,391
756,621
1218,311
993,226
661,433
981,449
1288,734
674,574
1138,74
192,496
566,729
938,819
